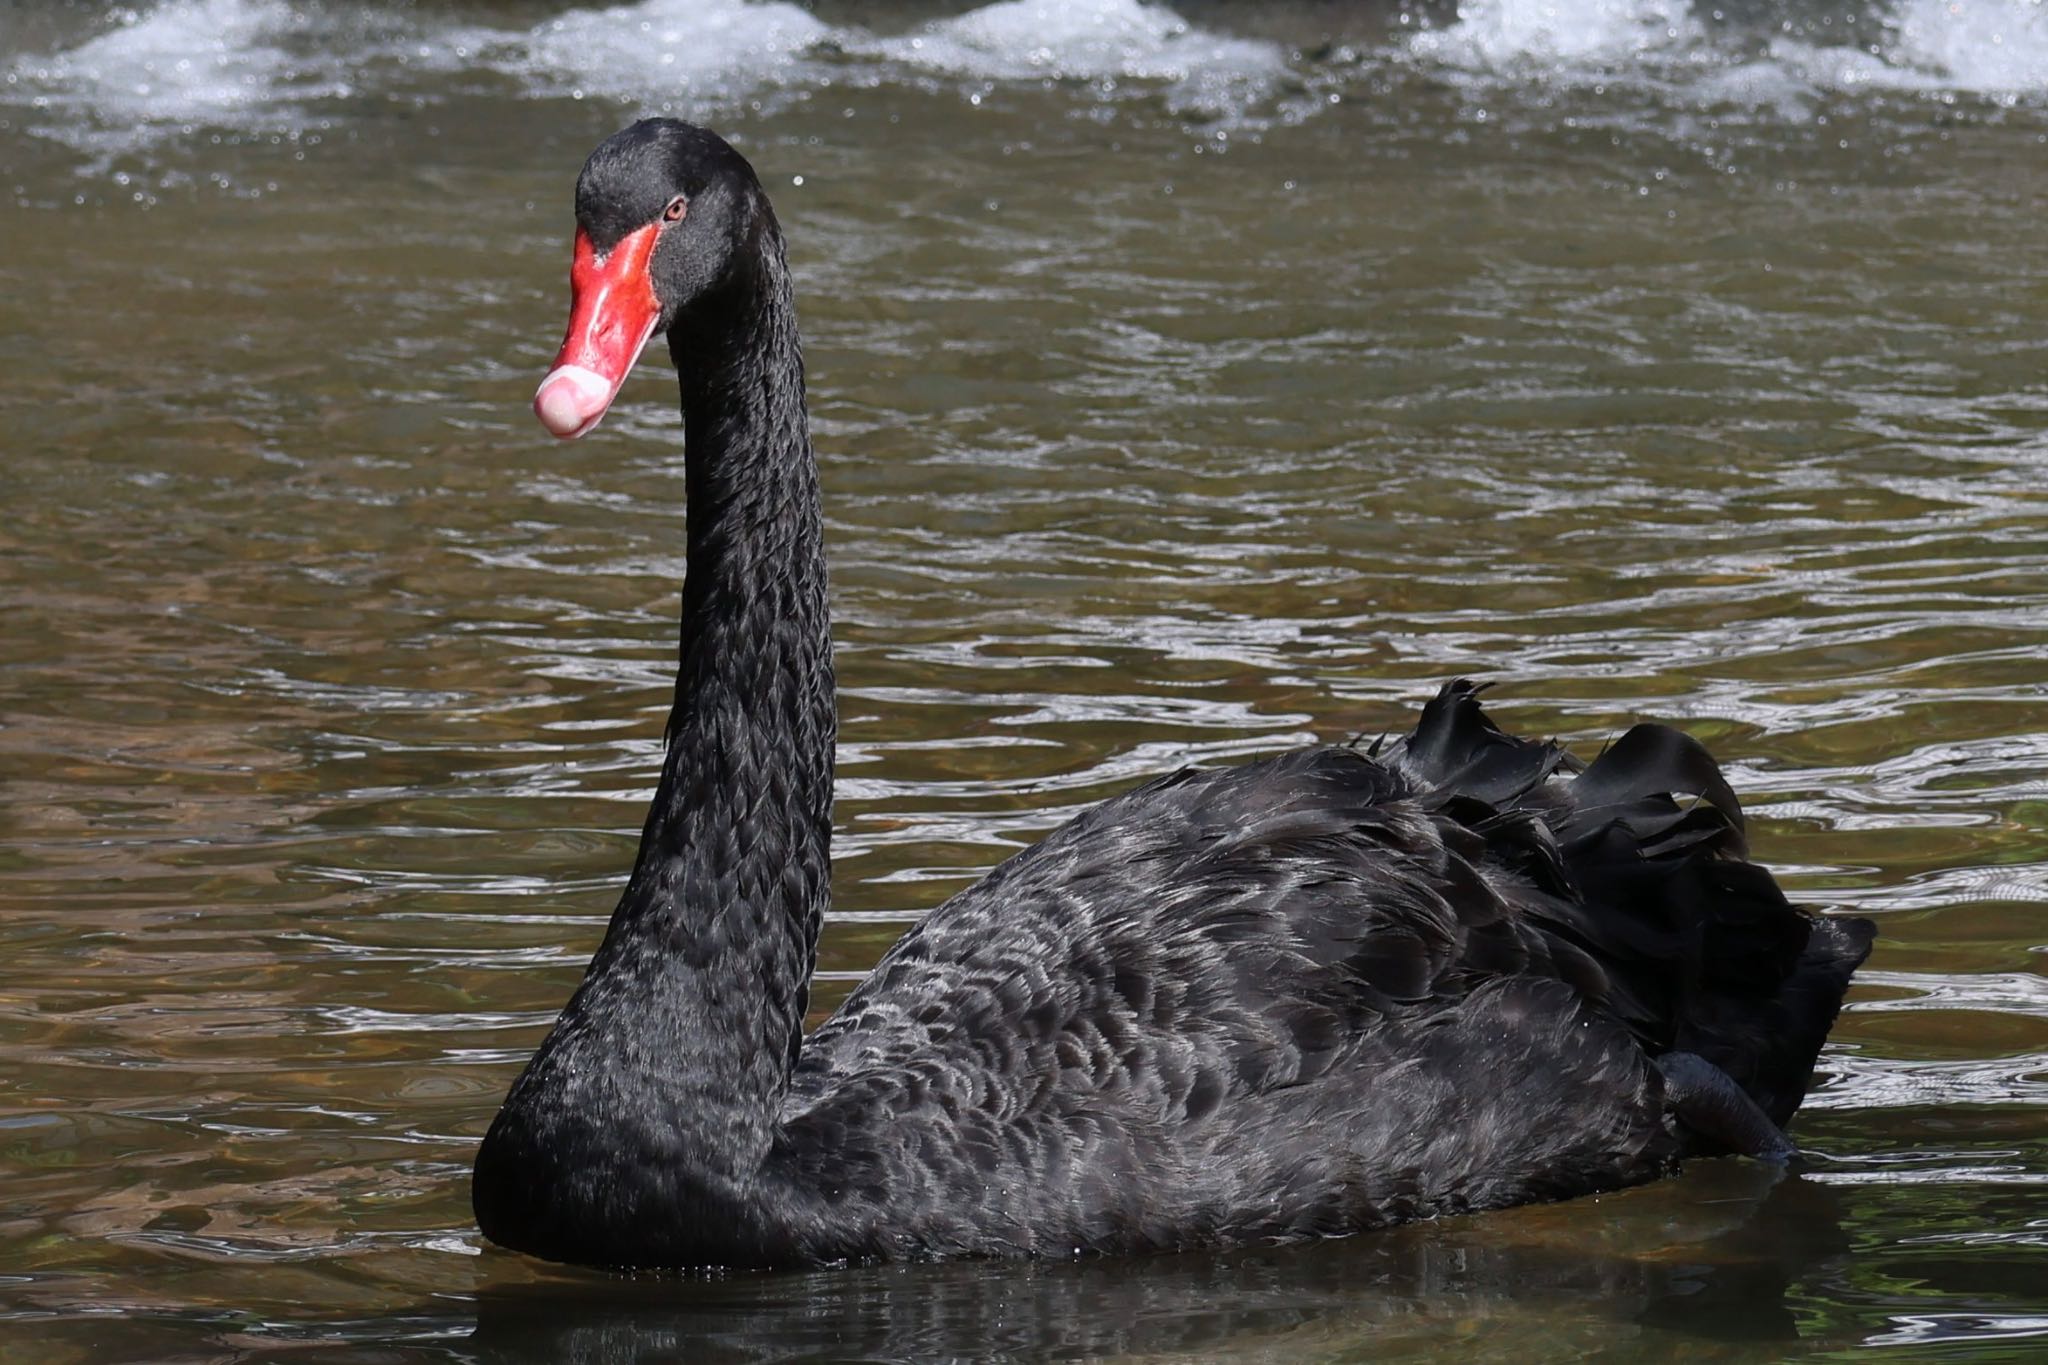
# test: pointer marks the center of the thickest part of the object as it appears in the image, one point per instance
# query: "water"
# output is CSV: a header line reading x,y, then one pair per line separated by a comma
x,y
1187,386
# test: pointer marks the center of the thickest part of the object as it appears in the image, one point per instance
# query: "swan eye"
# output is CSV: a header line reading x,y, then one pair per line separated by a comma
x,y
677,207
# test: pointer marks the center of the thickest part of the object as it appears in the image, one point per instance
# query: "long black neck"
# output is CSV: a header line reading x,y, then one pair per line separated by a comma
x,y
639,1132
722,911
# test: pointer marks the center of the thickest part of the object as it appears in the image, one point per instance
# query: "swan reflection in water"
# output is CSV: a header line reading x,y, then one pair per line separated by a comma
x,y
1707,1257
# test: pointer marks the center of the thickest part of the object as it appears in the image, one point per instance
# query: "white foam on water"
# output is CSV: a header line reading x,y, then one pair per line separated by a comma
x,y
255,65
1988,47
668,49
185,62
676,51
258,65
1094,40
1562,35
686,55
1993,46
1808,68
1982,47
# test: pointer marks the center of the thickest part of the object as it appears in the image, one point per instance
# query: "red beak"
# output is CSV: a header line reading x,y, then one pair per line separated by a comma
x,y
612,312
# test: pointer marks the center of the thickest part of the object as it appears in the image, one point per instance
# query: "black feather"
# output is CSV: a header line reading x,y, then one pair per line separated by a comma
x,y
1654,760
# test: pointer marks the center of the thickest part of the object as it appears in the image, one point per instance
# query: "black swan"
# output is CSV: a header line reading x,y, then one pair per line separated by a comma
x,y
1302,997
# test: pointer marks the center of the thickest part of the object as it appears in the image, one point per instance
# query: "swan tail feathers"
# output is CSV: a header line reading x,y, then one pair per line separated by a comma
x,y
1456,748
1655,837
1651,761
1640,863
1770,1045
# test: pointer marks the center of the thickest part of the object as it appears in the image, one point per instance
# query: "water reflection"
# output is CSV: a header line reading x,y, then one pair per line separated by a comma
x,y
1711,1258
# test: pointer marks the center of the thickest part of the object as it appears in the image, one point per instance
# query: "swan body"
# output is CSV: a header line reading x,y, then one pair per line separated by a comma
x,y
1301,997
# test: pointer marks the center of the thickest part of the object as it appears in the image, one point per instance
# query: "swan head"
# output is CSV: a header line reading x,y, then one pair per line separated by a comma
x,y
664,213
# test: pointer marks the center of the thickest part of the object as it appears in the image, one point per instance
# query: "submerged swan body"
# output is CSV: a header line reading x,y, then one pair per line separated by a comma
x,y
1301,997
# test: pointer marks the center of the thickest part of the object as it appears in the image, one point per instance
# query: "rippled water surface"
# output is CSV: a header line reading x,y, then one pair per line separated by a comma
x,y
1186,387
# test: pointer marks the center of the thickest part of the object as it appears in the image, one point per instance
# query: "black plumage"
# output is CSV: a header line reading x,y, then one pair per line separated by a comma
x,y
1302,997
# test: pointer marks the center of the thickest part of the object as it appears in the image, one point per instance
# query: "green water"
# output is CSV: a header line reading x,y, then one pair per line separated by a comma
x,y
331,690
